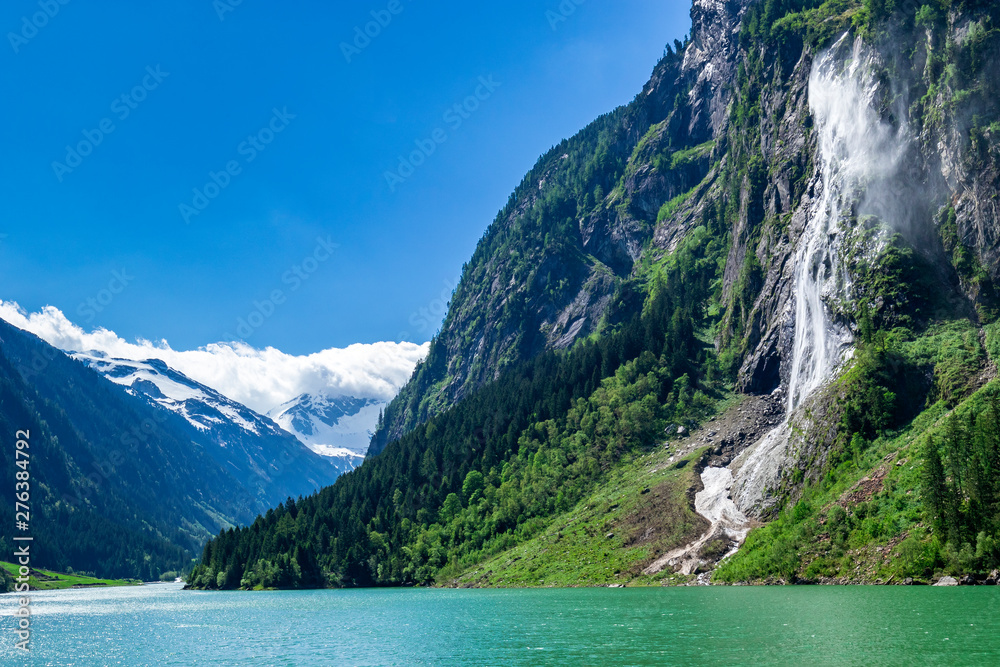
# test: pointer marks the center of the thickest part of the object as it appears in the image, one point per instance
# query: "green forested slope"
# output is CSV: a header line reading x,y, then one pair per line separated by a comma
x,y
76,521
492,471
533,261
511,445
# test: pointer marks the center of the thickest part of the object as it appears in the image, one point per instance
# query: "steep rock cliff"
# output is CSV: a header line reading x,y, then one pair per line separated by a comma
x,y
558,263
811,187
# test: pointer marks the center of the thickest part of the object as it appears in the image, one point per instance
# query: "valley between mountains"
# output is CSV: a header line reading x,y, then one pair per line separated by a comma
x,y
743,329
740,330
138,464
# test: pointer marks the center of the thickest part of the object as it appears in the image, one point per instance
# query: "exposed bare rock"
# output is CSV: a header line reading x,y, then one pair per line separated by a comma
x,y
715,30
764,473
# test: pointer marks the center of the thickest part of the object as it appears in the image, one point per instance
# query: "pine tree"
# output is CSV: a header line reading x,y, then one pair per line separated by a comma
x,y
935,485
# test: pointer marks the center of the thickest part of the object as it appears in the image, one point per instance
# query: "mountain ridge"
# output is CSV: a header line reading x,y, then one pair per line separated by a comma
x,y
507,308
738,228
331,425
132,488
245,441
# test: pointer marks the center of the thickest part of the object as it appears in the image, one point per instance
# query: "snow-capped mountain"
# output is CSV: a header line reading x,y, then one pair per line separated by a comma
x,y
249,442
202,407
330,425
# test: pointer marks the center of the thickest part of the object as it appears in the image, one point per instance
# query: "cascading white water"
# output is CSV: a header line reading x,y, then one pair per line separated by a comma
x,y
857,151
858,159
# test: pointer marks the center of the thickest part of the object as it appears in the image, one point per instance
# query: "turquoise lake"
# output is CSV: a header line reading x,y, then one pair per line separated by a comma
x,y
163,625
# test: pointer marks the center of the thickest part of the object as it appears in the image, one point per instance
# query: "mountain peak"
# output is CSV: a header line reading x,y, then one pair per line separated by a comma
x,y
330,425
202,407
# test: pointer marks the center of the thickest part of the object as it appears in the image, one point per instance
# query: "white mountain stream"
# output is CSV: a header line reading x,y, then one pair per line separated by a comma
x,y
858,153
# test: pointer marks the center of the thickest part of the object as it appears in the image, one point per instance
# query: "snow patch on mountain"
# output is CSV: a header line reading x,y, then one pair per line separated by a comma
x,y
202,407
330,425
338,429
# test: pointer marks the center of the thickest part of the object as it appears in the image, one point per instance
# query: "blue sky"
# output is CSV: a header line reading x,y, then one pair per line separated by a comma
x,y
299,141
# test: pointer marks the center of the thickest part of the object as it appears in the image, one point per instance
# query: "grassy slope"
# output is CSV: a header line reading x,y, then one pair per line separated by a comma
x,y
881,535
58,580
640,513
865,521
882,509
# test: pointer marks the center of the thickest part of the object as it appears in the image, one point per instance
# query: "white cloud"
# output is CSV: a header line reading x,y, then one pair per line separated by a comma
x,y
260,379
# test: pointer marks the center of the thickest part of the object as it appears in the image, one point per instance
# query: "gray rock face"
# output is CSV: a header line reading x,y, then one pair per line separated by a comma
x,y
587,308
772,233
947,581
965,160
712,55
946,162
500,315
567,295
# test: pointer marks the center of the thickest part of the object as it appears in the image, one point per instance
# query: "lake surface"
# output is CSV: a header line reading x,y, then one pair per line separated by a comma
x,y
163,625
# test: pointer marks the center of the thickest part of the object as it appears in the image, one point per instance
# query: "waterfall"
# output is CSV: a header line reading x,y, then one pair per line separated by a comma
x,y
858,151
858,159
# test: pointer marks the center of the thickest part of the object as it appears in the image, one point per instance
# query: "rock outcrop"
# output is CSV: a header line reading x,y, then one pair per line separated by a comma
x,y
725,123
522,293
